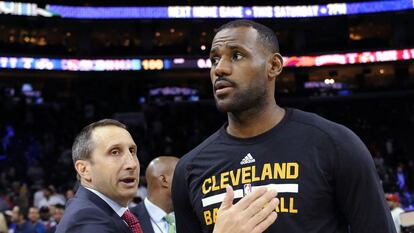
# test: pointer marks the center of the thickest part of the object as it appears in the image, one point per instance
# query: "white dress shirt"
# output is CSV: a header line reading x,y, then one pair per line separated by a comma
x,y
158,222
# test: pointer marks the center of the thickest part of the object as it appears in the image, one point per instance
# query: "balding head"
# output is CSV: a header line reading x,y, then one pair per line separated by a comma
x,y
159,176
161,166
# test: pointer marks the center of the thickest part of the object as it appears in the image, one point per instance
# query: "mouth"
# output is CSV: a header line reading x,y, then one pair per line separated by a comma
x,y
128,181
222,87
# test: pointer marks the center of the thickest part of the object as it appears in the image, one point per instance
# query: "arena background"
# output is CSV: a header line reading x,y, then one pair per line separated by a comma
x,y
148,67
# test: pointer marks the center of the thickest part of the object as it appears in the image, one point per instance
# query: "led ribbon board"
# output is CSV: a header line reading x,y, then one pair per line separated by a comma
x,y
195,12
151,64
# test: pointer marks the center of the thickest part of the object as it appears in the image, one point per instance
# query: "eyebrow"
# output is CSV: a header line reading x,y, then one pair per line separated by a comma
x,y
231,47
213,50
118,145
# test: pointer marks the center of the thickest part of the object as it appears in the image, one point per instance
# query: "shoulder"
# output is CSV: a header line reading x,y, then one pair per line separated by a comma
x,y
315,124
83,209
81,214
313,120
331,137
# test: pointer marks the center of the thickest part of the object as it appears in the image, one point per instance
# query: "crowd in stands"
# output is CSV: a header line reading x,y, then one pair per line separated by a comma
x,y
37,175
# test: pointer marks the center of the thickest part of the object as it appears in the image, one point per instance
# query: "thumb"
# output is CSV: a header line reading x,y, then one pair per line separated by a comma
x,y
228,198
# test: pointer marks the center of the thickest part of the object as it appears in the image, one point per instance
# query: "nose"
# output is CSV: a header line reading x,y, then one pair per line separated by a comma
x,y
223,68
131,161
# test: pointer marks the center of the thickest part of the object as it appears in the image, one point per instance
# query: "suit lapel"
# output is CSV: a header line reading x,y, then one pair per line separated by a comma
x,y
143,216
120,225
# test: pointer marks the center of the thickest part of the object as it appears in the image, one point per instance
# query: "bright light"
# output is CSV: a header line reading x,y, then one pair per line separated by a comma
x,y
203,47
329,81
381,71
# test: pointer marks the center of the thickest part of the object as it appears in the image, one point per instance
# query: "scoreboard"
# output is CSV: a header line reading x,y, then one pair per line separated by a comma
x,y
177,63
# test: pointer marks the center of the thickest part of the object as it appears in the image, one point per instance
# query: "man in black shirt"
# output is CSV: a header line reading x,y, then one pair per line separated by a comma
x,y
323,173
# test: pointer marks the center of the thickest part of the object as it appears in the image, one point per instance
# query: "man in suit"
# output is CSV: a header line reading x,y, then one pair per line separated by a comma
x,y
155,213
105,159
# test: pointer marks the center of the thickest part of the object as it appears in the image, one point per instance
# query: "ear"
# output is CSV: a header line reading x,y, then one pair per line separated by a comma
x,y
275,64
163,181
83,168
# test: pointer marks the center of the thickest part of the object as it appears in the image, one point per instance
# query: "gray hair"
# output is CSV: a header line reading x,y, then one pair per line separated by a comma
x,y
83,145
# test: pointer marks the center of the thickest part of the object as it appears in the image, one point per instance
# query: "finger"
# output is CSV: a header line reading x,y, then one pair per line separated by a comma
x,y
260,202
262,226
264,213
246,201
228,198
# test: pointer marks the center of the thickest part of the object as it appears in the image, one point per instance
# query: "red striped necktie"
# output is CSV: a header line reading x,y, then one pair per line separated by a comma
x,y
132,222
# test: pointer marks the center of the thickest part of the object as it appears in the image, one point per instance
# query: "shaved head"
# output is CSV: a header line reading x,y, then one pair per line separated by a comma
x,y
159,176
163,165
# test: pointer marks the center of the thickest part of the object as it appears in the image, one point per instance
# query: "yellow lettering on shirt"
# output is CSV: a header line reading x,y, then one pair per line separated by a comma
x,y
246,173
251,174
206,188
267,172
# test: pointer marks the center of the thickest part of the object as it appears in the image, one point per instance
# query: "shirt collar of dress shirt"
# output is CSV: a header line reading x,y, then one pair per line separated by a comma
x,y
156,213
119,210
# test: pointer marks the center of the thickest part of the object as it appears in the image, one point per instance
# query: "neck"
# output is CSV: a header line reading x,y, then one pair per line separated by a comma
x,y
253,122
161,201
123,203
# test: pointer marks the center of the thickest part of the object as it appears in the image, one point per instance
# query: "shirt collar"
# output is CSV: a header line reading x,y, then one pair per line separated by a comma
x,y
156,213
119,210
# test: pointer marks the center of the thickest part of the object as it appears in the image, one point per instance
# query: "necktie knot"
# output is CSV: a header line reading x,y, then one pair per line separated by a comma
x,y
132,222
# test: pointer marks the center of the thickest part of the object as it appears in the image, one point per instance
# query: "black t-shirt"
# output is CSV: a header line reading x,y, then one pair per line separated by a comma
x,y
325,178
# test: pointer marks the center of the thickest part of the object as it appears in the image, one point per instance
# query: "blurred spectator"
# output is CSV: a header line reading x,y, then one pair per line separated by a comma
x,y
20,195
57,216
395,207
34,219
50,197
69,194
19,222
45,217
38,196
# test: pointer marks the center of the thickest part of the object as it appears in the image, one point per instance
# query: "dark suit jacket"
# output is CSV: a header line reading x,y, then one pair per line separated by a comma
x,y
88,213
144,219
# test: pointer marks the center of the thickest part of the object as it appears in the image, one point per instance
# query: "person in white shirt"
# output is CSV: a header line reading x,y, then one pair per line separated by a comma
x,y
155,213
50,197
